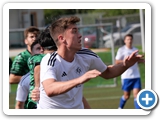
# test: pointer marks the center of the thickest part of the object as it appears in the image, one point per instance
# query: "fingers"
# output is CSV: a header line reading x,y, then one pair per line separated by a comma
x,y
89,75
35,94
95,73
133,54
139,56
132,59
141,61
125,60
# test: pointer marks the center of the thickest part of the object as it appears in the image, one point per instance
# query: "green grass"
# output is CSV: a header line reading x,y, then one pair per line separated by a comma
x,y
99,98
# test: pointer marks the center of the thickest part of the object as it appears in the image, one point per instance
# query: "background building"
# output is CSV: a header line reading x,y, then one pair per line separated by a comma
x,y
19,20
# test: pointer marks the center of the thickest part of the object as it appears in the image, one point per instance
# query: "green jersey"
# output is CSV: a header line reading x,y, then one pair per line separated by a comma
x,y
33,61
19,65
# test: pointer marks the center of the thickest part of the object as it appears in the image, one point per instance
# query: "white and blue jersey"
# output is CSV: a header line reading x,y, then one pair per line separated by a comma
x,y
131,77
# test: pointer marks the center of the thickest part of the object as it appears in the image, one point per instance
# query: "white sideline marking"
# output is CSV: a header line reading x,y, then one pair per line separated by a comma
x,y
105,98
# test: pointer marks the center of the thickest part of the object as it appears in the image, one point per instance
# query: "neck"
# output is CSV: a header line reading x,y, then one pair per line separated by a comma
x,y
29,49
66,54
48,51
129,46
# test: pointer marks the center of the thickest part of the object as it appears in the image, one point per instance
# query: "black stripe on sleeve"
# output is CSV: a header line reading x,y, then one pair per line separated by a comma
x,y
88,52
52,59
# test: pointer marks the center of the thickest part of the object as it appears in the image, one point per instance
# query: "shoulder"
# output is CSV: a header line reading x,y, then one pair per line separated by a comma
x,y
37,57
134,48
35,60
23,55
87,52
121,48
25,79
49,59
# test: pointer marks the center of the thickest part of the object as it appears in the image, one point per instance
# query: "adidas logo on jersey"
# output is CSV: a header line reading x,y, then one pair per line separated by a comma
x,y
64,74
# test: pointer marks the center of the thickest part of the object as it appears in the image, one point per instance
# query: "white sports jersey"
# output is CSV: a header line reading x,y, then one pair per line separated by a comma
x,y
133,71
53,66
23,88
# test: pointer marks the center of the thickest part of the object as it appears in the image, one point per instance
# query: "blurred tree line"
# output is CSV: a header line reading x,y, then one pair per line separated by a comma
x,y
52,14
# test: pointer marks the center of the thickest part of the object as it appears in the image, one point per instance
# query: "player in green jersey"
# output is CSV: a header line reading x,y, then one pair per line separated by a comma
x,y
48,46
19,65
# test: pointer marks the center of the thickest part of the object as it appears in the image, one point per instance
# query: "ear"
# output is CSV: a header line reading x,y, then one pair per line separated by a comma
x,y
26,41
60,37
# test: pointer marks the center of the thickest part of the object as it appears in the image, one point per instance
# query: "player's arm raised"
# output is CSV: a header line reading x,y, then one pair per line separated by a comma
x,y
116,70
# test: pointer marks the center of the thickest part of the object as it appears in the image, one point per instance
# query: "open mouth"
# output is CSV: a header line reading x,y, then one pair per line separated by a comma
x,y
79,41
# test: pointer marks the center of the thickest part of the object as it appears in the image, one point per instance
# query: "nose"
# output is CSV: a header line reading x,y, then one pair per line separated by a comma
x,y
80,36
41,50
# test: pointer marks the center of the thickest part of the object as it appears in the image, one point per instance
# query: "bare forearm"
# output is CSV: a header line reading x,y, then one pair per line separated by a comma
x,y
56,88
37,76
14,79
53,87
19,105
37,79
114,71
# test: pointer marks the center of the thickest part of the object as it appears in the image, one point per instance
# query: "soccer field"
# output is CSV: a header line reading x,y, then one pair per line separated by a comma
x,y
98,97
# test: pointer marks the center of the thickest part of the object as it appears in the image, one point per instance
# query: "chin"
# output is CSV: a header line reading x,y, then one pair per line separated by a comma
x,y
79,48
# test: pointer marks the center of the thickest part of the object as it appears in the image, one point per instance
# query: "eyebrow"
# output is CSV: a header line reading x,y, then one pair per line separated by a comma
x,y
74,28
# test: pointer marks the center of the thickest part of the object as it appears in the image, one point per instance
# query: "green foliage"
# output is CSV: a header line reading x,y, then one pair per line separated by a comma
x,y
52,14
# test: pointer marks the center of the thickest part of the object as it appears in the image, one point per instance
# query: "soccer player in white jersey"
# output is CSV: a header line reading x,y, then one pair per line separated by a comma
x,y
131,77
63,72
22,91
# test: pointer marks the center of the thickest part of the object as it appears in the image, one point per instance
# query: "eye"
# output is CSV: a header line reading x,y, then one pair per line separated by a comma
x,y
74,31
31,36
38,48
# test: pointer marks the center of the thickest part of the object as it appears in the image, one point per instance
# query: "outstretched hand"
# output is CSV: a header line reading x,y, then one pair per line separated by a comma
x,y
89,75
132,59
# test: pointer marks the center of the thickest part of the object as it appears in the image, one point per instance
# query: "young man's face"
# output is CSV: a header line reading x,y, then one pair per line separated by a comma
x,y
128,41
72,38
30,38
37,49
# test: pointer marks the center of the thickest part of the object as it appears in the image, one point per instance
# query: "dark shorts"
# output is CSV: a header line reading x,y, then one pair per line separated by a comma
x,y
130,84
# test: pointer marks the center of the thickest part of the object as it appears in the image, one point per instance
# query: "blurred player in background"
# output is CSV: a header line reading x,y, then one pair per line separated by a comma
x,y
131,77
19,66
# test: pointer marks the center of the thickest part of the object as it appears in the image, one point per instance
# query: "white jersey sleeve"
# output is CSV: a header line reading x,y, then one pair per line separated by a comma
x,y
47,70
120,55
23,88
98,64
